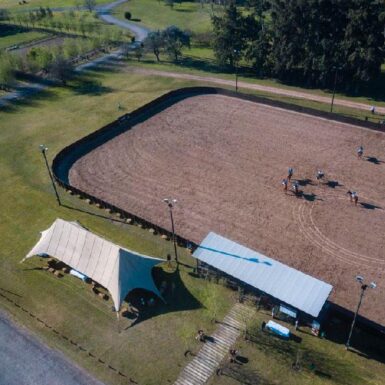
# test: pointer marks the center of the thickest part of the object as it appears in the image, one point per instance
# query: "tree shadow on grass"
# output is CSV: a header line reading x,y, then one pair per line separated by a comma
x,y
174,292
83,85
30,98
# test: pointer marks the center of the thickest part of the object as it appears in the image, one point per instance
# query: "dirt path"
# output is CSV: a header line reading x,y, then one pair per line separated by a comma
x,y
258,87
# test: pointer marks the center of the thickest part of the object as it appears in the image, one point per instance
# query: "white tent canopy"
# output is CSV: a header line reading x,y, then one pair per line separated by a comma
x,y
117,269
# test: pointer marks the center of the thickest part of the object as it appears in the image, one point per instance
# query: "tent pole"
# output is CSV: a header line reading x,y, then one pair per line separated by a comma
x,y
118,317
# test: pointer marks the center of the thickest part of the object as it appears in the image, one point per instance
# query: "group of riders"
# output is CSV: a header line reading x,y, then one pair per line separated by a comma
x,y
319,176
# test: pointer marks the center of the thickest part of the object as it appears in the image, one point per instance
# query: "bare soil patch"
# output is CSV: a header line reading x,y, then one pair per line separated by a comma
x,y
224,159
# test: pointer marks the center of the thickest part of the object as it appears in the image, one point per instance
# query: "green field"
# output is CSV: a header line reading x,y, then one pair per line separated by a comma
x,y
20,37
14,4
56,118
321,363
156,15
28,206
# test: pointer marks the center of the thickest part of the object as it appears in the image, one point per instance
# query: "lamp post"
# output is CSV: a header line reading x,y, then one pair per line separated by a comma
x,y
236,53
170,203
43,150
334,87
364,286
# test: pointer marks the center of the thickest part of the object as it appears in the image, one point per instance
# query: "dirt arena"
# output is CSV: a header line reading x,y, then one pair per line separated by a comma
x,y
223,159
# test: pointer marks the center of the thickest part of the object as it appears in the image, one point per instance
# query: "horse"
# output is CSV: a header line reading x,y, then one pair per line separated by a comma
x,y
320,175
295,187
353,197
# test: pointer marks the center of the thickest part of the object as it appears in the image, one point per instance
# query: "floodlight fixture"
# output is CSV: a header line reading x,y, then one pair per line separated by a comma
x,y
364,286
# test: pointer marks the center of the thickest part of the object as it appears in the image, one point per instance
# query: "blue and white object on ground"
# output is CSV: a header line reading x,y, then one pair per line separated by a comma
x,y
282,282
75,273
278,329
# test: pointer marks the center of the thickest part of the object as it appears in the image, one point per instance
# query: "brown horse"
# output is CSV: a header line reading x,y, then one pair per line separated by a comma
x,y
353,197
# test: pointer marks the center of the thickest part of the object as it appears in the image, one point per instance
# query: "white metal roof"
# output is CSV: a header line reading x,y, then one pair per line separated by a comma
x,y
282,282
117,269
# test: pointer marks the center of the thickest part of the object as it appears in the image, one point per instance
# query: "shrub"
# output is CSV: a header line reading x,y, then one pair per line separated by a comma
x,y
127,15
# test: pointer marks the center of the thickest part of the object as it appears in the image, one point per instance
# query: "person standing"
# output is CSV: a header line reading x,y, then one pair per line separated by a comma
x,y
320,175
360,151
295,187
290,173
285,183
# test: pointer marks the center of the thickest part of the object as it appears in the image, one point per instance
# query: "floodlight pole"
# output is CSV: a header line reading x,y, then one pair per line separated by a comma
x,y
170,205
236,52
363,289
43,150
334,89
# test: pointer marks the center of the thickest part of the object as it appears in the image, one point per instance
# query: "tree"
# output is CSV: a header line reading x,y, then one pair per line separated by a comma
x,y
154,42
138,52
363,41
229,35
170,3
311,39
7,71
90,5
127,15
4,15
70,48
61,69
39,58
174,40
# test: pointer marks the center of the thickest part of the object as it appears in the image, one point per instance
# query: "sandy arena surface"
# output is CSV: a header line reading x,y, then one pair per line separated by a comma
x,y
224,159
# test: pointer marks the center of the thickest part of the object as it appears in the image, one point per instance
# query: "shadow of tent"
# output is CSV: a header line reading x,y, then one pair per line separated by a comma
x,y
176,296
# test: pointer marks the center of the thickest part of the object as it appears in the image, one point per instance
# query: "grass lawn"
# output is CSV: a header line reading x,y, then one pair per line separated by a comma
x,y
18,36
156,15
322,362
14,4
151,352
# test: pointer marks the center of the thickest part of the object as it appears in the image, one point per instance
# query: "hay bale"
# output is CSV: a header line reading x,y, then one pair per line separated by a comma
x,y
152,231
128,221
165,237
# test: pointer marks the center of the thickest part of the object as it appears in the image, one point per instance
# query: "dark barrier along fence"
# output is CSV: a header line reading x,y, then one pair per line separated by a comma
x,y
70,154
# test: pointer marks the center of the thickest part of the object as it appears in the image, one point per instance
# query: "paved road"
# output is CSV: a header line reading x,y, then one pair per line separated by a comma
x,y
24,360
